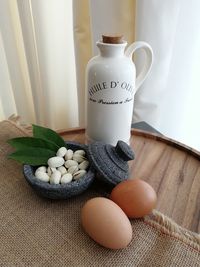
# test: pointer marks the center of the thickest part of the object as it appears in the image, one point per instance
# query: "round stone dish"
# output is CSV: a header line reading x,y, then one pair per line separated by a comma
x,y
60,191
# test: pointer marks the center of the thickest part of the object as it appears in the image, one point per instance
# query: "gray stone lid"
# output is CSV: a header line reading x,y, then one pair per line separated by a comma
x,y
111,162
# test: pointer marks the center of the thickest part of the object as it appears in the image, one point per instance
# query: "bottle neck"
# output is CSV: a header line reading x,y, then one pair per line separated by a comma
x,y
111,50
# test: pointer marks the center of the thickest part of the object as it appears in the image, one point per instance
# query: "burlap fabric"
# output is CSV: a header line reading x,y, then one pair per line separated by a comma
x,y
40,232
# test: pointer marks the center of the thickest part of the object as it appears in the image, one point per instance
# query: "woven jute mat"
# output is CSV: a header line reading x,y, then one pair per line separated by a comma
x,y
41,232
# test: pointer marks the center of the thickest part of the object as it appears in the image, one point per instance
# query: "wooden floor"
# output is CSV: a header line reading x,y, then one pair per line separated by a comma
x,y
170,167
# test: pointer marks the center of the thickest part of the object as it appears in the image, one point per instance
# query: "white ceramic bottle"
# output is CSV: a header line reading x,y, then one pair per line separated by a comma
x,y
111,84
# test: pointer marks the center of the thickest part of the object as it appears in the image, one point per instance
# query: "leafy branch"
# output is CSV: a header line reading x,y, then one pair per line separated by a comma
x,y
38,149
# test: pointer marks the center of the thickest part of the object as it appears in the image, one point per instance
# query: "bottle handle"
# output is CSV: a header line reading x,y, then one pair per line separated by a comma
x,y
148,62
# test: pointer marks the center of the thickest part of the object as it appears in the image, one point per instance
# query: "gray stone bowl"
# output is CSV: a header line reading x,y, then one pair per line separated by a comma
x,y
60,191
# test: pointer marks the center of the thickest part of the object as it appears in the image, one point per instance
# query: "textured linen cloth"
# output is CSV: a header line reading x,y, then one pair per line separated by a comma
x,y
39,232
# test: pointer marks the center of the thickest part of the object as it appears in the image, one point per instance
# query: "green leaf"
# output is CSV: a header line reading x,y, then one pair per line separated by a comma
x,y
32,156
48,134
24,142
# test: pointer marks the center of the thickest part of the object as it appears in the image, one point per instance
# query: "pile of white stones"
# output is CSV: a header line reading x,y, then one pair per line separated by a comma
x,y
65,167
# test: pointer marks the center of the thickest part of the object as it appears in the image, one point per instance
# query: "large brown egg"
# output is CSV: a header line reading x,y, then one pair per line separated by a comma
x,y
106,223
135,197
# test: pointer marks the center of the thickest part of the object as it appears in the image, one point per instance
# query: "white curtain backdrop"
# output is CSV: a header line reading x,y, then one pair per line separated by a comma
x,y
169,99
37,63
45,45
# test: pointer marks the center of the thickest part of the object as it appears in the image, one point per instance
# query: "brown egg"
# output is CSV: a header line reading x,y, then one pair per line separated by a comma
x,y
135,197
106,223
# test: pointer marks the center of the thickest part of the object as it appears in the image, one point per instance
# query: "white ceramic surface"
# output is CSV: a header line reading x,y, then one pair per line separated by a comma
x,y
111,84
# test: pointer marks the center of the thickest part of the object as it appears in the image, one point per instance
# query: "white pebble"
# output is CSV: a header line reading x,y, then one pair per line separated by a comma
x,y
42,176
77,175
70,163
66,178
42,169
84,165
61,151
55,177
50,170
69,154
73,169
80,152
78,157
62,170
55,162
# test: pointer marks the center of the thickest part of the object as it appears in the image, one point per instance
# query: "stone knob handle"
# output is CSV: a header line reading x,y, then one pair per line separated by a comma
x,y
124,151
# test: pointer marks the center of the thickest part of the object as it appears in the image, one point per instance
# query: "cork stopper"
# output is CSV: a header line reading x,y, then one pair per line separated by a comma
x,y
112,39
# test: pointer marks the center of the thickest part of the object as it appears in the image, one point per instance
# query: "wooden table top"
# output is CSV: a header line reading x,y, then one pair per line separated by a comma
x,y
172,169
